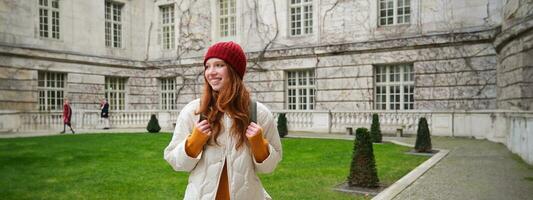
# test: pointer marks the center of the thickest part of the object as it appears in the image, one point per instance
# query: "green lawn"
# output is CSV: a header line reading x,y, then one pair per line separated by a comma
x,y
131,166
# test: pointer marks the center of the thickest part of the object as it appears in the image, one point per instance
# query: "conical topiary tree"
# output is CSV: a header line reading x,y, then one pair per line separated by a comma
x,y
363,172
375,130
423,138
282,125
153,125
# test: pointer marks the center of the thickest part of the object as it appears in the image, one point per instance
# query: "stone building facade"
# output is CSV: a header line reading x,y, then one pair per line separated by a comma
x,y
303,54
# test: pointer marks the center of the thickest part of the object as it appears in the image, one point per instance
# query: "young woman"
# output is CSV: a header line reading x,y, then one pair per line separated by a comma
x,y
215,139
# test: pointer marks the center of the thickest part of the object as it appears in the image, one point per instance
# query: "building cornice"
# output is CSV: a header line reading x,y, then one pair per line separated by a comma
x,y
68,57
512,32
393,44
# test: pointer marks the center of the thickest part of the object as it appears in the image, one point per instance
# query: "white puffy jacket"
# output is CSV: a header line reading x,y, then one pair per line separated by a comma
x,y
205,170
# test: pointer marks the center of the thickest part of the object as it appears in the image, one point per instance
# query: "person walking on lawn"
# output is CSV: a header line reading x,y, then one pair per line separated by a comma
x,y
216,138
67,116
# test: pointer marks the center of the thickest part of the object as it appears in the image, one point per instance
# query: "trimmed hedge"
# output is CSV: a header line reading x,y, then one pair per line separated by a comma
x,y
423,137
363,172
153,125
282,125
375,129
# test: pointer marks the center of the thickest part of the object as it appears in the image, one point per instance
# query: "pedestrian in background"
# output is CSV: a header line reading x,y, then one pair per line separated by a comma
x,y
67,116
104,106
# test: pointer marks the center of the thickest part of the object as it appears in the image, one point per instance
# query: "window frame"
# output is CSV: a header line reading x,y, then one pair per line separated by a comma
x,y
397,76
396,5
49,19
116,97
113,27
295,90
230,15
168,27
167,93
51,90
306,27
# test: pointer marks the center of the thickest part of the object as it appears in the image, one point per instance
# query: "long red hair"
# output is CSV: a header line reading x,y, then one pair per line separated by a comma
x,y
233,99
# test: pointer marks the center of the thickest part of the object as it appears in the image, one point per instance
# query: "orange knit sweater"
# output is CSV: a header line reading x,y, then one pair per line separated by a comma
x,y
196,141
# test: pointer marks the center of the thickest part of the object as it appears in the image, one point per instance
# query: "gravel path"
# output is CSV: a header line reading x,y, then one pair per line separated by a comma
x,y
474,169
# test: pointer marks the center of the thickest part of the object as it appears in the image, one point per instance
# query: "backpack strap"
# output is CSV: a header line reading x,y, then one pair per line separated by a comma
x,y
252,108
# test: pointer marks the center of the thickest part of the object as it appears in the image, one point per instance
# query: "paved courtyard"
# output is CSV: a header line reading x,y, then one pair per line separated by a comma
x,y
473,169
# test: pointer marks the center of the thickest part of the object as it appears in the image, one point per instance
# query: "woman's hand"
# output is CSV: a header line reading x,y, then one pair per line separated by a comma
x,y
253,129
204,127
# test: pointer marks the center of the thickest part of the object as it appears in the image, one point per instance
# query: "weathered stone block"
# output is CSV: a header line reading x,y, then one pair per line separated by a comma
x,y
513,91
19,106
527,90
85,78
85,88
456,65
459,78
265,86
144,106
143,99
512,62
93,100
455,104
344,95
343,72
15,84
19,74
456,92
286,64
268,96
136,81
510,77
344,106
344,83
274,75
141,90
14,95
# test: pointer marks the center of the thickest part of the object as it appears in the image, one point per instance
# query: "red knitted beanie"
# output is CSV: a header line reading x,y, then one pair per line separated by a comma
x,y
231,53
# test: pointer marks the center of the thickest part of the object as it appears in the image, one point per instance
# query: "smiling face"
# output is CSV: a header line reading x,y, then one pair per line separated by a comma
x,y
216,73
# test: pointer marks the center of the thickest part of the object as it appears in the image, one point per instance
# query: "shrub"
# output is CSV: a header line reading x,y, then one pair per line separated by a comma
x,y
375,130
363,172
282,125
423,138
153,125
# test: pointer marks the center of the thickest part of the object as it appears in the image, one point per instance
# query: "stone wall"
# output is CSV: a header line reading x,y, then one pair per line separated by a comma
x,y
85,90
82,25
515,56
264,25
520,136
449,43
18,89
450,73
85,78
